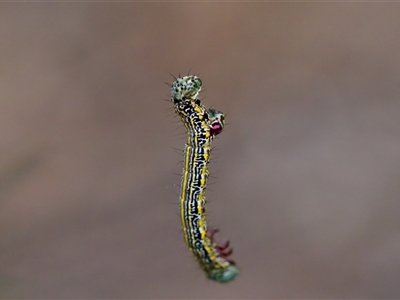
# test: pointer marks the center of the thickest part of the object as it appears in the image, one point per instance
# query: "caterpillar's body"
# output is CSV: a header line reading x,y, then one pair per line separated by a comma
x,y
202,126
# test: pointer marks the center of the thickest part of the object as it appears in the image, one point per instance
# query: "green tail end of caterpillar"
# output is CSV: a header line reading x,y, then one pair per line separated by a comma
x,y
224,275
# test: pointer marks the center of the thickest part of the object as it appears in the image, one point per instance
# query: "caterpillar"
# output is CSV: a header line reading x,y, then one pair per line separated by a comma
x,y
202,125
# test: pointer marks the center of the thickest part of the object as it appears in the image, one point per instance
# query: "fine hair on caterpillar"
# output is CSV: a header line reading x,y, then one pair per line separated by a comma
x,y
202,126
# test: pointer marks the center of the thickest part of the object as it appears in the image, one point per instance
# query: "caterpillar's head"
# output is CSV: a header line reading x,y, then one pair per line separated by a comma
x,y
217,120
185,87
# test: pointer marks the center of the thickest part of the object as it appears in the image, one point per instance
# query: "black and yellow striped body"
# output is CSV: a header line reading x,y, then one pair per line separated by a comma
x,y
198,122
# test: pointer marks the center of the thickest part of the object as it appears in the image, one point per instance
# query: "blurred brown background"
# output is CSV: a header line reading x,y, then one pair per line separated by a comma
x,y
307,173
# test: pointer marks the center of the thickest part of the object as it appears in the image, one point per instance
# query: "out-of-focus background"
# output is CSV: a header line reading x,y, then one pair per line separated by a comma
x,y
306,173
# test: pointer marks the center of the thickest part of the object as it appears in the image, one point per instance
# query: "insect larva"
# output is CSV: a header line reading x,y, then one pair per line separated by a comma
x,y
202,125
